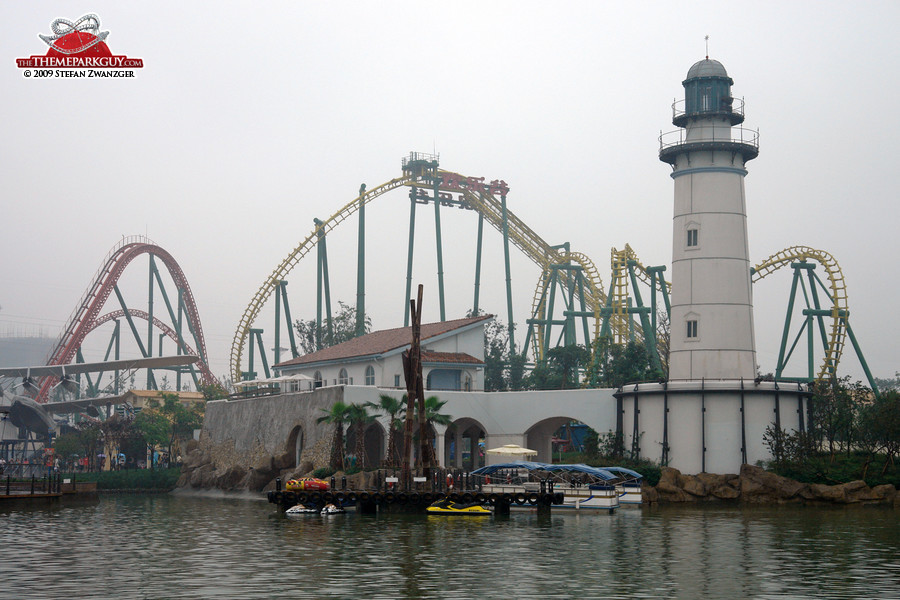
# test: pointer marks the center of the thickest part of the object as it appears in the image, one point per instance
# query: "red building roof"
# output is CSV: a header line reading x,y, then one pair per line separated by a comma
x,y
387,340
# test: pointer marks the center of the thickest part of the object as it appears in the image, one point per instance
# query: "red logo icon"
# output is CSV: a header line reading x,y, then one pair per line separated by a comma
x,y
78,45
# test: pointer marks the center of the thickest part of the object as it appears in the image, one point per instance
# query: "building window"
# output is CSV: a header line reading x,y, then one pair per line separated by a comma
x,y
692,238
396,381
370,375
343,379
692,329
317,380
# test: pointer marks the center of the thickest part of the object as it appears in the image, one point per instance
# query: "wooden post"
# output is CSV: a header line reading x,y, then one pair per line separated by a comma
x,y
412,370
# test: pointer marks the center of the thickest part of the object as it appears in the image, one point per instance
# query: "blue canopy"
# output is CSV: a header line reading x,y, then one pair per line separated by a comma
x,y
624,471
536,466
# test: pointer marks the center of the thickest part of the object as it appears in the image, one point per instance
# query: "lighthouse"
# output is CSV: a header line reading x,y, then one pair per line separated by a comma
x,y
712,304
712,413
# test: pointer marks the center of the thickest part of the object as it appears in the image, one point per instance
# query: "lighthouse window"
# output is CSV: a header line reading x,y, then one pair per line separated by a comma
x,y
692,238
692,329
705,99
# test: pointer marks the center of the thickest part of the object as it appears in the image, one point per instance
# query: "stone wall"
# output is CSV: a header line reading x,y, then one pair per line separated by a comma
x,y
755,485
246,444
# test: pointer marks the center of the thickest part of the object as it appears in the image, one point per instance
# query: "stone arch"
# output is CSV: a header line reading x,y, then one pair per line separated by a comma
x,y
540,436
294,445
373,442
463,446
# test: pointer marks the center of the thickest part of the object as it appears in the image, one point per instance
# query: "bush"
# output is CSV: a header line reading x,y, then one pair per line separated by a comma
x,y
323,472
132,479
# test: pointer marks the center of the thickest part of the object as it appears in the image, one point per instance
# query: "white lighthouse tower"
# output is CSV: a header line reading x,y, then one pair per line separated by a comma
x,y
712,413
712,304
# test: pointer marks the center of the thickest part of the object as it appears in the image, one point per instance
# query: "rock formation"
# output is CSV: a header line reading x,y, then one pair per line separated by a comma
x,y
755,485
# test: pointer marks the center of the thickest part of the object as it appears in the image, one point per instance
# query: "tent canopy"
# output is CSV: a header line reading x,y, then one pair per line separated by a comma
x,y
600,473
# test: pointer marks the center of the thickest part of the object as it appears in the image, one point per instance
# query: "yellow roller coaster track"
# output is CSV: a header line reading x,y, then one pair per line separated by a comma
x,y
522,236
838,296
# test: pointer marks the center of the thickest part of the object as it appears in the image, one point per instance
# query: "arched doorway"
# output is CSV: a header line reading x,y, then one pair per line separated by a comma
x,y
556,437
373,445
464,445
295,444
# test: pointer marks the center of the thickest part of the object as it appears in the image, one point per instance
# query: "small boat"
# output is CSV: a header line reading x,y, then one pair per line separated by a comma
x,y
445,506
301,509
583,487
333,509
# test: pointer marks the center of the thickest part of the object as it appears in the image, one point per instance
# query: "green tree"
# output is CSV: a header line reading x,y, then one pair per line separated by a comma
x,y
560,367
833,412
182,420
503,370
615,365
392,408
433,416
336,416
337,330
212,391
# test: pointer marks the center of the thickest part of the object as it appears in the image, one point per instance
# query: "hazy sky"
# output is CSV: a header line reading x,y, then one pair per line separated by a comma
x,y
250,119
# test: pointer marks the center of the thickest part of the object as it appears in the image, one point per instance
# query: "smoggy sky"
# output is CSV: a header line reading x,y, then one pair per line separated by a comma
x,y
250,119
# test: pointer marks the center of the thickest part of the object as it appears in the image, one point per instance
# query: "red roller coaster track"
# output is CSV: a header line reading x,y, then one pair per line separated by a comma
x,y
85,317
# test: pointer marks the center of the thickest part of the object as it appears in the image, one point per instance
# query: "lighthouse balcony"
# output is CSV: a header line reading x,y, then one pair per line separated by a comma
x,y
732,108
732,139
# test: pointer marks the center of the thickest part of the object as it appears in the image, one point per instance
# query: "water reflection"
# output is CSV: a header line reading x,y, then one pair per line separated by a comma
x,y
186,547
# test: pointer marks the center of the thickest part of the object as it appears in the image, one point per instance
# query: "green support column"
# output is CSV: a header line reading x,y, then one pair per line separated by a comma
x,y
150,321
323,287
409,257
569,330
117,333
277,327
779,366
810,360
180,342
361,265
478,262
282,289
551,301
440,252
509,305
649,330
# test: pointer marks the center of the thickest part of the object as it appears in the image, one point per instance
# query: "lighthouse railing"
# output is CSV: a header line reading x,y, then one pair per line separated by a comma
x,y
700,134
735,107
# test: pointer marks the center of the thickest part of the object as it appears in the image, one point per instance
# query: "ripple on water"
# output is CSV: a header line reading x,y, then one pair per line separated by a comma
x,y
185,547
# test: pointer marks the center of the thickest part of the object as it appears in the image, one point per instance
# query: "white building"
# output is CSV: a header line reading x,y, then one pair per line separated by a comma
x,y
713,411
452,358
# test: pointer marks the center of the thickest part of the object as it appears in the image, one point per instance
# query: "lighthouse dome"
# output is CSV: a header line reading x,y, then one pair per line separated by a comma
x,y
707,68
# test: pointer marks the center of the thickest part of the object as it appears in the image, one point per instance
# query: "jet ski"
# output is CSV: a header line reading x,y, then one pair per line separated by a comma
x,y
445,506
333,509
301,509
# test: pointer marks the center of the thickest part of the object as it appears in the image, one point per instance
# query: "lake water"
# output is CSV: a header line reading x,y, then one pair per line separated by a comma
x,y
171,546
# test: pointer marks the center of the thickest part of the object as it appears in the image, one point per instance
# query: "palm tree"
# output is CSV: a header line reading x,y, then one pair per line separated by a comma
x,y
392,407
433,416
359,418
336,416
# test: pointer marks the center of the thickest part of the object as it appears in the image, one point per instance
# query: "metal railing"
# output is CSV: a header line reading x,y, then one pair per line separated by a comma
x,y
736,108
734,135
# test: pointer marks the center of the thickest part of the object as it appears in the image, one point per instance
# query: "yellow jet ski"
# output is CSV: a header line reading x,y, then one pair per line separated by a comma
x,y
445,506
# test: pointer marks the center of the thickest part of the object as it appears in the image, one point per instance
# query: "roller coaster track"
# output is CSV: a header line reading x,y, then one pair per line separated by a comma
x,y
837,296
81,321
594,297
162,326
479,200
